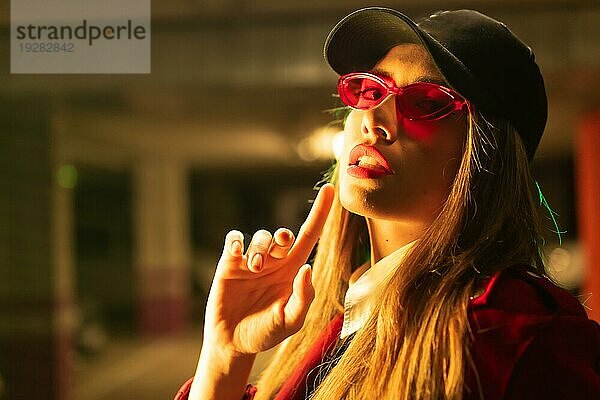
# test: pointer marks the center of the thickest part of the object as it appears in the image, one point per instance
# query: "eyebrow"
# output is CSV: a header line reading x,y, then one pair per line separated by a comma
x,y
381,72
422,78
432,79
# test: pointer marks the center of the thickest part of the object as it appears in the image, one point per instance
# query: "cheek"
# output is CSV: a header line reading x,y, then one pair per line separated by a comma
x,y
352,121
445,136
423,131
348,137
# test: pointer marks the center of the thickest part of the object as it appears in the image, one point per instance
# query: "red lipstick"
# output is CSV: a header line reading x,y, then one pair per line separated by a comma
x,y
366,162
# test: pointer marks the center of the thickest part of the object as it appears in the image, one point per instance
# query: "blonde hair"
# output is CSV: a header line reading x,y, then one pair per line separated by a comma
x,y
416,343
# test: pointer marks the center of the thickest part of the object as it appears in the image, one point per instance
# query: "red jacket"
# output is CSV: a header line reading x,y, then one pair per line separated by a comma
x,y
532,340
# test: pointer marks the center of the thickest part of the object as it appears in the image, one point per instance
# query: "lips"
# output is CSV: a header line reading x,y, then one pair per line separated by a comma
x,y
367,162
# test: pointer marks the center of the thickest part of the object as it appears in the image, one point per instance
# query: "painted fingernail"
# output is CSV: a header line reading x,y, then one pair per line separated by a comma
x,y
283,237
236,247
308,277
256,262
286,234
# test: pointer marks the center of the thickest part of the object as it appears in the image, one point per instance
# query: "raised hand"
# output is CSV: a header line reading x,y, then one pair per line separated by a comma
x,y
261,296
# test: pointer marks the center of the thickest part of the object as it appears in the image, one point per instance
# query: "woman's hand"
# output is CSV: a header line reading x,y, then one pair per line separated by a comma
x,y
260,297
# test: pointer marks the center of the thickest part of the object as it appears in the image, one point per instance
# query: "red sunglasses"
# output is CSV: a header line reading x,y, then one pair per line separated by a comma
x,y
420,101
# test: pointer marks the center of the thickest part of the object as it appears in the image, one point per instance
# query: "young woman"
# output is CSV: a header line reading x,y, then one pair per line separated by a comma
x,y
428,281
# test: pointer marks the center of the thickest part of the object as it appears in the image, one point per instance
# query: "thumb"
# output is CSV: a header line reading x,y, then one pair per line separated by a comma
x,y
298,304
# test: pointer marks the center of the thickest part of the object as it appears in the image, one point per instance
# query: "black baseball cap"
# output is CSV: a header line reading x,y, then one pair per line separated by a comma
x,y
479,57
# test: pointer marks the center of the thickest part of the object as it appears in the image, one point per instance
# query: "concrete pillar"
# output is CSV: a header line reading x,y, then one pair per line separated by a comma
x,y
162,238
63,257
587,164
35,261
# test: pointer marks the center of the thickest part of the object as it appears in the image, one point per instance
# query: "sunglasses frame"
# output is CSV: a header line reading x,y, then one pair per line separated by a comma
x,y
458,102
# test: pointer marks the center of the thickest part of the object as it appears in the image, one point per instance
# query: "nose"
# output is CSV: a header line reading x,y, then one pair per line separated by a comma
x,y
379,124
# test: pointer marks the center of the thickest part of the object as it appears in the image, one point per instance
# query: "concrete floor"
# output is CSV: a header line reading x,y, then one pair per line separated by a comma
x,y
134,368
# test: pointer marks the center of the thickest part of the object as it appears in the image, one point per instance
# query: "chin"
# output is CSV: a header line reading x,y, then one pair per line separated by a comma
x,y
380,205
364,203
363,197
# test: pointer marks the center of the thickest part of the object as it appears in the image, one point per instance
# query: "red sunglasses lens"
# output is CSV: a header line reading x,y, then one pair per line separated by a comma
x,y
362,92
425,101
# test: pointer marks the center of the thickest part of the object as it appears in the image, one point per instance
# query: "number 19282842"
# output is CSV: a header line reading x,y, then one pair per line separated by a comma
x,y
47,47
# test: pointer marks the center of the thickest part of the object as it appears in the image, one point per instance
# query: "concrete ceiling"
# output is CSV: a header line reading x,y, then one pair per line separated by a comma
x,y
271,50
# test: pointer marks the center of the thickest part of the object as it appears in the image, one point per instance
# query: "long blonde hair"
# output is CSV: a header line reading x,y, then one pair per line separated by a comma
x,y
416,343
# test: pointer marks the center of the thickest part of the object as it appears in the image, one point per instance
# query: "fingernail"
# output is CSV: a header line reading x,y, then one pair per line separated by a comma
x,y
284,236
236,247
256,262
308,277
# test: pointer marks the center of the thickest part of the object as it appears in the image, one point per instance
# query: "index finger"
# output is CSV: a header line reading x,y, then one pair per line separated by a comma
x,y
310,231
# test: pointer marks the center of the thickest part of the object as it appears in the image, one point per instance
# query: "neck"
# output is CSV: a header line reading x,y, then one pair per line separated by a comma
x,y
388,236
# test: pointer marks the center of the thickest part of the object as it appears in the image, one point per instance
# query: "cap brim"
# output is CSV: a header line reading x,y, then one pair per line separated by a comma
x,y
363,37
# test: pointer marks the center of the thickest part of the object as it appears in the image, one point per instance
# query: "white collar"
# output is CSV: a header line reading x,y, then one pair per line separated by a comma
x,y
357,303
